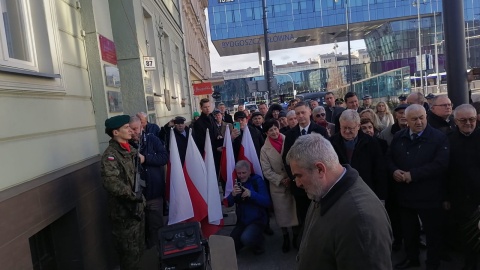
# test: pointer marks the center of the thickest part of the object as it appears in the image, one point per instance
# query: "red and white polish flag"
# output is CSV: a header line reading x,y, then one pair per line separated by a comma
x,y
215,215
227,163
181,208
196,180
247,152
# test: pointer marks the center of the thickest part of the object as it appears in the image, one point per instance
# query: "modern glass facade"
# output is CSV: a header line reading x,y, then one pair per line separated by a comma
x,y
389,27
392,83
243,18
389,84
236,91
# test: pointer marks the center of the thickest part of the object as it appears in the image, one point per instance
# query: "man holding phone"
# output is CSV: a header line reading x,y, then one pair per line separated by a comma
x,y
241,122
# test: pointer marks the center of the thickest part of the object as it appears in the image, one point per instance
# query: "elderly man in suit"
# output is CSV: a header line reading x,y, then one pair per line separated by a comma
x,y
418,162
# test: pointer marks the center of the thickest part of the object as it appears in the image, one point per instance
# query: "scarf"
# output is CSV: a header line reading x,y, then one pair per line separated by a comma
x,y
277,144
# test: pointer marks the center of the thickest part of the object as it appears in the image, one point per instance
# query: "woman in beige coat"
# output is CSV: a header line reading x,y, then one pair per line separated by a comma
x,y
274,172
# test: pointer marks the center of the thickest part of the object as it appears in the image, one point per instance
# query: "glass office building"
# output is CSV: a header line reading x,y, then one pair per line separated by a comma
x,y
389,27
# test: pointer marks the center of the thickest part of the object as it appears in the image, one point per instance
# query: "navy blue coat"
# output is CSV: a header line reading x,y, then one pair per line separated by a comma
x,y
427,160
153,171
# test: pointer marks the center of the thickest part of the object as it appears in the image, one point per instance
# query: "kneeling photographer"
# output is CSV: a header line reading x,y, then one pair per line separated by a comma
x,y
251,198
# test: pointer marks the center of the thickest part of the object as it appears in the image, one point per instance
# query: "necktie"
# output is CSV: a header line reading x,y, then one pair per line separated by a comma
x,y
414,136
304,132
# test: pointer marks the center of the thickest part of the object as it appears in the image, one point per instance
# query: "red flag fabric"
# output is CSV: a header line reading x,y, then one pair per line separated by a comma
x,y
180,205
215,215
227,163
196,180
247,152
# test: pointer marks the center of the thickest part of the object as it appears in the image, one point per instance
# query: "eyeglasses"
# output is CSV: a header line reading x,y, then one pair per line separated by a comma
x,y
471,120
446,105
349,128
320,114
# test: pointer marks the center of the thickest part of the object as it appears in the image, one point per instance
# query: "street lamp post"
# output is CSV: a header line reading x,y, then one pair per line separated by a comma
x,y
436,51
417,4
350,75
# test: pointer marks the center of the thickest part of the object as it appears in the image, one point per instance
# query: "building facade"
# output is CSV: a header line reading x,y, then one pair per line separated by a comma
x,y
196,41
389,28
66,67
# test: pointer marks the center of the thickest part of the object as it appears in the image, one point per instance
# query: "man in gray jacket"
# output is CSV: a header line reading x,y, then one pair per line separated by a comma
x,y
346,225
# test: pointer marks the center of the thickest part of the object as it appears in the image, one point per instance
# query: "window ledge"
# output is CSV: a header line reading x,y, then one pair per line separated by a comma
x,y
28,72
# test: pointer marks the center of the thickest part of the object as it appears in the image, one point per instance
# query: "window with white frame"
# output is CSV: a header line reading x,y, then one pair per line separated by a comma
x,y
17,41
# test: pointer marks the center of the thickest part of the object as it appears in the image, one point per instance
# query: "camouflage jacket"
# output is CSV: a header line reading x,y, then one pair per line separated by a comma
x,y
118,174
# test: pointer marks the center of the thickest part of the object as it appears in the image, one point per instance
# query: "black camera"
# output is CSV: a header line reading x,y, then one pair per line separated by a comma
x,y
239,184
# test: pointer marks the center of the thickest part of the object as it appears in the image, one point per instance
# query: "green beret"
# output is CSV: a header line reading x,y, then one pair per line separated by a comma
x,y
117,121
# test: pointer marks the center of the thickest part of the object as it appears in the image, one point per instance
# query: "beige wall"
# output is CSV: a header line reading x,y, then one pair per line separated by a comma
x,y
48,124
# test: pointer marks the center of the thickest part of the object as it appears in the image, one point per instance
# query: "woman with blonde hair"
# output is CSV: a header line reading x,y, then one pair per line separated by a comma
x,y
384,115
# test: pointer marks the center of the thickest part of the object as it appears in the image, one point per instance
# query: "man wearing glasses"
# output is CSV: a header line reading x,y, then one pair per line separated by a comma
x,y
440,114
463,176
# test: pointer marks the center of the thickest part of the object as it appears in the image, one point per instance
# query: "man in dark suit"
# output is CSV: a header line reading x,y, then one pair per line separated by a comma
x,y
304,126
418,159
331,109
226,117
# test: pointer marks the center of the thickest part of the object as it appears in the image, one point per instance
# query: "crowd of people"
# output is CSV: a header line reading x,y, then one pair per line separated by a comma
x,y
347,184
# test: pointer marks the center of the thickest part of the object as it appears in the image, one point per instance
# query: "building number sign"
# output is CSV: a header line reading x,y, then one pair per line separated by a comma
x,y
149,63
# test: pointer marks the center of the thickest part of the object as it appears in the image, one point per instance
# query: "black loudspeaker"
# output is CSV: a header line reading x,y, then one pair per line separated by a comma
x,y
181,247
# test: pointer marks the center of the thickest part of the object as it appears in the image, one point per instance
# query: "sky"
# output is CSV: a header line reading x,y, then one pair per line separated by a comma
x,y
278,57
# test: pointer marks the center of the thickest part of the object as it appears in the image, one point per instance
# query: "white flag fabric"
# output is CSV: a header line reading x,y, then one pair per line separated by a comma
x,y
215,214
180,207
248,152
227,163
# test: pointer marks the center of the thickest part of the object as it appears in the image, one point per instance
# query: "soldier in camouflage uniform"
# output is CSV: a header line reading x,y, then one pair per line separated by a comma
x,y
125,208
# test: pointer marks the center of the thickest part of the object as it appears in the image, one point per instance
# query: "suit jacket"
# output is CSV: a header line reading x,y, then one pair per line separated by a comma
x,y
331,114
290,138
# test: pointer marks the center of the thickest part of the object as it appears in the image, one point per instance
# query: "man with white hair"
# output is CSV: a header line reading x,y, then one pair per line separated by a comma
x,y
361,151
149,127
463,175
418,162
346,226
